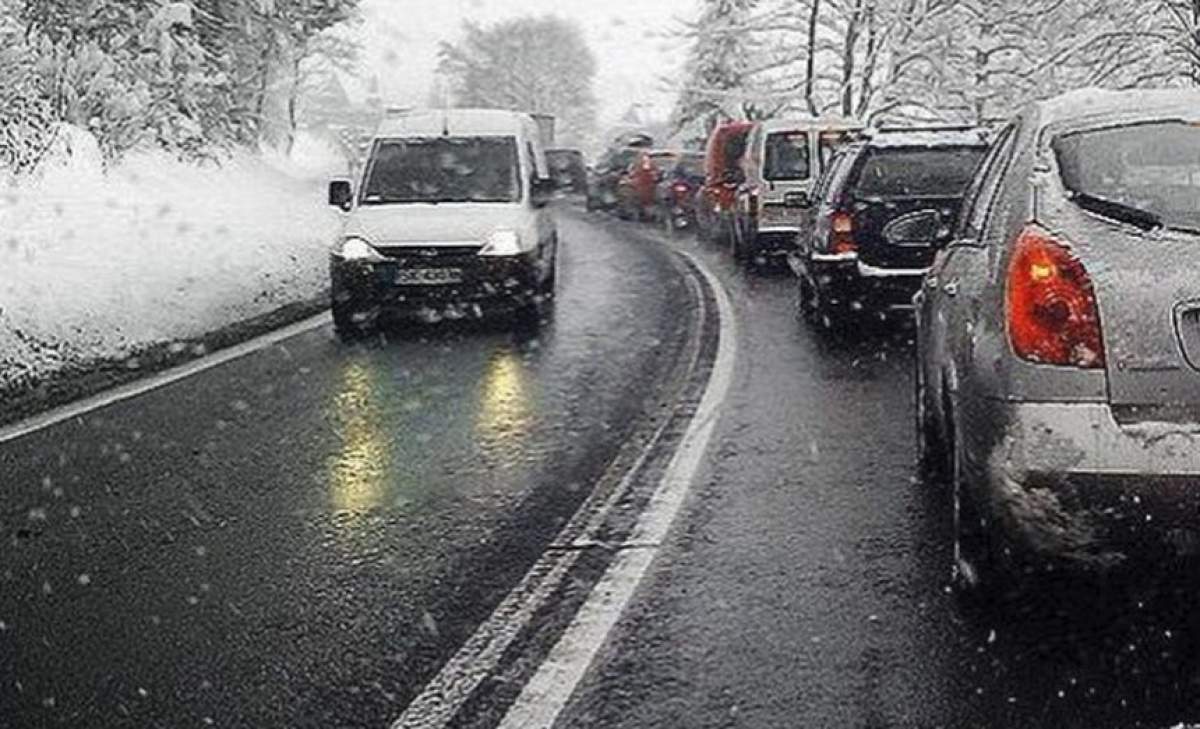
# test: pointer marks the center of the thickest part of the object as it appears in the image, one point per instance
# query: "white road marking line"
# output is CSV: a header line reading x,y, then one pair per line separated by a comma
x,y
547,693
162,379
444,696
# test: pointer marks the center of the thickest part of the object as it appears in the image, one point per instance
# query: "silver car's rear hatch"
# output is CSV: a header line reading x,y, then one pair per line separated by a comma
x,y
1135,213
1148,293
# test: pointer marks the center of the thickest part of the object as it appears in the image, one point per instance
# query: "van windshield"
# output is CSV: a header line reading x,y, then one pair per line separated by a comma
x,y
443,169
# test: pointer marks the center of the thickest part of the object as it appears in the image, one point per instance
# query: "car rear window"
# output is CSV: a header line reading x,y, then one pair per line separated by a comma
x,y
787,157
1142,172
917,171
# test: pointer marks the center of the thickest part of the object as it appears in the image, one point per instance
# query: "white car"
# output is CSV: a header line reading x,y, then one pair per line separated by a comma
x,y
449,220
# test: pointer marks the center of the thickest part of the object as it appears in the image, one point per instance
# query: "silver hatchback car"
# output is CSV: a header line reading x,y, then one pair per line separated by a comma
x,y
1058,343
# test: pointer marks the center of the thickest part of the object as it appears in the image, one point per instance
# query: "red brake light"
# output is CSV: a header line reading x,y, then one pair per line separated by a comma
x,y
1051,304
841,227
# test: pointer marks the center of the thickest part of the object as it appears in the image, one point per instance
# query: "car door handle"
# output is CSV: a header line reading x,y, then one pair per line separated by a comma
x,y
951,289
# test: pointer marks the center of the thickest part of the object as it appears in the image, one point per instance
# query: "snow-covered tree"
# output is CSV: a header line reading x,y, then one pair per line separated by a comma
x,y
719,76
535,64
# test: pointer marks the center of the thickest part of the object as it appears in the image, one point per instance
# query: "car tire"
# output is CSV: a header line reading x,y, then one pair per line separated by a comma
x,y
932,460
805,302
974,570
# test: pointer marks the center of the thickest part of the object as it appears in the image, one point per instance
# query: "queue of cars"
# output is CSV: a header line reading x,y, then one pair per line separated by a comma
x,y
1051,267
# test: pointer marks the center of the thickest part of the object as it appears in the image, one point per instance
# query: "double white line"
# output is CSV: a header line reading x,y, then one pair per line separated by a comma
x,y
551,687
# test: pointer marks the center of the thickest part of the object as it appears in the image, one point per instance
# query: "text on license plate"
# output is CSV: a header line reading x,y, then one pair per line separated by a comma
x,y
429,276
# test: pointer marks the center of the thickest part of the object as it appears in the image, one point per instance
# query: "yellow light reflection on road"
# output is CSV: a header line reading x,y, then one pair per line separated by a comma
x,y
358,471
505,412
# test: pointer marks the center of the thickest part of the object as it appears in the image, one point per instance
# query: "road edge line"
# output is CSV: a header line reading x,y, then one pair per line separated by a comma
x,y
120,393
548,692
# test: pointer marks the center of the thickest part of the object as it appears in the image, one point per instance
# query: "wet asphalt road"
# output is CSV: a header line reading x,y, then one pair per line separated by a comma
x,y
807,582
303,536
300,537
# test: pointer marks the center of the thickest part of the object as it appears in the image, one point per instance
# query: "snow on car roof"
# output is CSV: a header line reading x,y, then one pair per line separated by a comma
x,y
951,137
458,122
1085,103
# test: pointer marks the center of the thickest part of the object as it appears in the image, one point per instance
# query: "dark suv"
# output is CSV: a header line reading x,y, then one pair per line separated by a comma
x,y
882,208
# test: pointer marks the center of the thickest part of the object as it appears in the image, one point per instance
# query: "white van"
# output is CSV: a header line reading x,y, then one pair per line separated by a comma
x,y
784,159
448,221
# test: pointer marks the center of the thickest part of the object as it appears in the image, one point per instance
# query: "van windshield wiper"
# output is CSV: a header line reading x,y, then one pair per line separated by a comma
x,y
1143,219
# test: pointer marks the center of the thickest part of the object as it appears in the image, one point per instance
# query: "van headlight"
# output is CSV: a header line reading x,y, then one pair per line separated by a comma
x,y
503,242
357,249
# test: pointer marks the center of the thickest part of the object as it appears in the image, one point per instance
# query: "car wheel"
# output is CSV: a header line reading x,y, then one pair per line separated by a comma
x,y
828,319
931,453
805,303
973,570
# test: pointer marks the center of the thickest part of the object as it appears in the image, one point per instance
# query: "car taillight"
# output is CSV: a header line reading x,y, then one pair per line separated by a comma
x,y
1051,304
841,233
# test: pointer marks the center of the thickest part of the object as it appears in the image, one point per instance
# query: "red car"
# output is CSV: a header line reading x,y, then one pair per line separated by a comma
x,y
722,174
636,191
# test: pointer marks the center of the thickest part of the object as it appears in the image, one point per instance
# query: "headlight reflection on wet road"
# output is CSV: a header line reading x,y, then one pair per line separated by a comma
x,y
358,471
505,408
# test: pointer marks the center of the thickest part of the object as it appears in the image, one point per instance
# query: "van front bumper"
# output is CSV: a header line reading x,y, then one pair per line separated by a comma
x,y
1068,485
473,285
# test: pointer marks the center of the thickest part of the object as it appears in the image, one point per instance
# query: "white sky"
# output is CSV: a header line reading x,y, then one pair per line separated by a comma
x,y
401,39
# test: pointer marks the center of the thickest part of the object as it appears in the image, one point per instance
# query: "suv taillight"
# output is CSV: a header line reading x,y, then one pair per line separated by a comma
x,y
1051,304
841,233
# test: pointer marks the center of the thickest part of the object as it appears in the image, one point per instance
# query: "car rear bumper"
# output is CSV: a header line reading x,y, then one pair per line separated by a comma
x,y
1069,485
485,285
847,283
776,240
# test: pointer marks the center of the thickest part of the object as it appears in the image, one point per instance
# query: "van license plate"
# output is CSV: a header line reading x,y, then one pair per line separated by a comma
x,y
429,276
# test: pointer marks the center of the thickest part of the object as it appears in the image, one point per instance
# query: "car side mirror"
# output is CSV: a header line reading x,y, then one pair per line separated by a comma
x,y
341,194
921,229
543,191
798,199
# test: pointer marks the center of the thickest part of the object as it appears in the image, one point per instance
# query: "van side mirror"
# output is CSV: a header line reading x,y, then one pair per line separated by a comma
x,y
543,190
341,194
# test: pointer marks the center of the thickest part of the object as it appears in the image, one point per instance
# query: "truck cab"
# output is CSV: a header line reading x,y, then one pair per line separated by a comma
x,y
783,161
448,220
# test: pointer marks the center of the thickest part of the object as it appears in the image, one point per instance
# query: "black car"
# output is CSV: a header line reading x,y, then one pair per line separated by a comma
x,y
568,170
881,210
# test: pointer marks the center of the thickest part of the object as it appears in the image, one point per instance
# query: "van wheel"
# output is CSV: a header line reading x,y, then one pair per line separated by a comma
x,y
351,324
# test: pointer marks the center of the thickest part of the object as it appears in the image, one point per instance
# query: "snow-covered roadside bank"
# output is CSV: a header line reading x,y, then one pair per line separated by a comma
x,y
146,263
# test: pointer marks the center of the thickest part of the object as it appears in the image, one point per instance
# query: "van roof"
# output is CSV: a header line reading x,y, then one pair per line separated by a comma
x,y
811,124
458,122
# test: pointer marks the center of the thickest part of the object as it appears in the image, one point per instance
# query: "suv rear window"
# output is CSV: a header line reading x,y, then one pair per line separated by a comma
x,y
1144,173
443,169
786,157
917,171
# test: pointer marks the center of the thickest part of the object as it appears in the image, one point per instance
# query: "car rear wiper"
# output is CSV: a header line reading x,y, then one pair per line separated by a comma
x,y
1143,219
